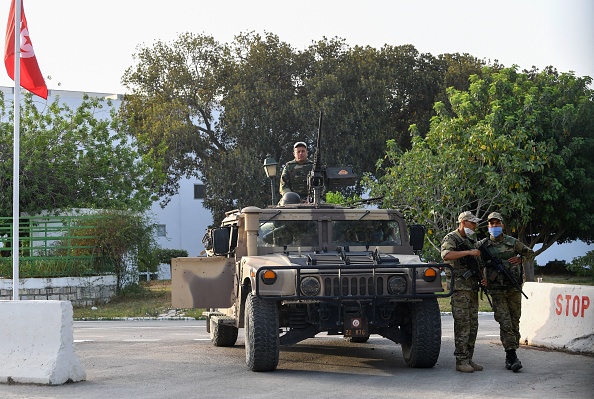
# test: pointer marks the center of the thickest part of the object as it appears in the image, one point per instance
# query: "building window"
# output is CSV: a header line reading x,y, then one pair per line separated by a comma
x,y
198,191
161,230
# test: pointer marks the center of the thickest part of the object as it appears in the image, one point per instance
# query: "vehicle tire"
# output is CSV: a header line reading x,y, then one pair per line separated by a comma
x,y
357,340
261,334
422,341
222,334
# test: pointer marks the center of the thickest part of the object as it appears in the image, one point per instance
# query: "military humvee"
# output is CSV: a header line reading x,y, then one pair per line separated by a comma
x,y
289,272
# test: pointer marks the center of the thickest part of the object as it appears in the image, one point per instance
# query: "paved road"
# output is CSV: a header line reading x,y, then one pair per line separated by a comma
x,y
174,359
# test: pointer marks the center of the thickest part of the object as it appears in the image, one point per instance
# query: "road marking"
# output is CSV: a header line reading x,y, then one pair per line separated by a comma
x,y
83,340
141,340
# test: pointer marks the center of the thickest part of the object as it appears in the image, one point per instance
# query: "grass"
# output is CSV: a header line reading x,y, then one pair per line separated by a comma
x,y
150,299
154,298
444,304
566,279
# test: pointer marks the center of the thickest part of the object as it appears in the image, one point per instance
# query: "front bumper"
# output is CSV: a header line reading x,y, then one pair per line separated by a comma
x,y
356,282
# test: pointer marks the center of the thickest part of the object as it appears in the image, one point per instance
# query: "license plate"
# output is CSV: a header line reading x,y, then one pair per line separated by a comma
x,y
355,327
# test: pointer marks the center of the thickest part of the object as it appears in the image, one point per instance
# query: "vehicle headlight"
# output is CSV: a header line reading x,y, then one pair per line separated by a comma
x,y
430,274
310,286
396,285
269,277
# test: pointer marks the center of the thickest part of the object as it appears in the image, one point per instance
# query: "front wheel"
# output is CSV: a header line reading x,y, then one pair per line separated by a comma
x,y
261,334
422,341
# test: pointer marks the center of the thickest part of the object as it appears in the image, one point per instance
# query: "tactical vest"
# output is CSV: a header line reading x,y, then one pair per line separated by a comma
x,y
294,177
502,250
464,278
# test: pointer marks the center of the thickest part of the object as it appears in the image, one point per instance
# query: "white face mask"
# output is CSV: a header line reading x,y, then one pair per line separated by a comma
x,y
468,232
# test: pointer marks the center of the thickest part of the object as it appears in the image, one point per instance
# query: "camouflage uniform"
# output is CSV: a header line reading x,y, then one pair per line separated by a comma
x,y
294,178
507,299
464,300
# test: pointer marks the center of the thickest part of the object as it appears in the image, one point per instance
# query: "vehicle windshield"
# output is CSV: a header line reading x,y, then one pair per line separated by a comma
x,y
365,232
290,233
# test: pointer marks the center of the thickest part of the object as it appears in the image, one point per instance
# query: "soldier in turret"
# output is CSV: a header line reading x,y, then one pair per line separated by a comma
x,y
295,172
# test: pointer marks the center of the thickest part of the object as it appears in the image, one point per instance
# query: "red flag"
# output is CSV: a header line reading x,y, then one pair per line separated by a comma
x,y
31,77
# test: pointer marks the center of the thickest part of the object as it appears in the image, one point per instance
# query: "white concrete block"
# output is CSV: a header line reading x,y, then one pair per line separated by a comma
x,y
558,316
37,344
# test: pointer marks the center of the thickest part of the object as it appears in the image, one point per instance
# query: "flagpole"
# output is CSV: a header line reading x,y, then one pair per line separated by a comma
x,y
16,151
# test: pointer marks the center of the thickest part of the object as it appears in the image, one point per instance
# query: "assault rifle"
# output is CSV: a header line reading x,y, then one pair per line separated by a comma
x,y
499,267
315,180
473,269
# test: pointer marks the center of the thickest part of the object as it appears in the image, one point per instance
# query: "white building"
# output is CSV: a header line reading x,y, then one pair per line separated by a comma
x,y
183,222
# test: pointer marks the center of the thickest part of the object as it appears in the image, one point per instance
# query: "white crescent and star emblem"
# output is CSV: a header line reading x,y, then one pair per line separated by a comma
x,y
26,46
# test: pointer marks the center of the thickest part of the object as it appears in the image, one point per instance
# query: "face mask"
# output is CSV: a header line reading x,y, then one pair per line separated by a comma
x,y
495,231
468,232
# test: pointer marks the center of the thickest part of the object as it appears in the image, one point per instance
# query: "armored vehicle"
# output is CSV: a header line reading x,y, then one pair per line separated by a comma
x,y
286,273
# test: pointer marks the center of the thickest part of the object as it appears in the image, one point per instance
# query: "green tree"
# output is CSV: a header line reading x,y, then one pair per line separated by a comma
x,y
214,111
70,159
173,106
514,142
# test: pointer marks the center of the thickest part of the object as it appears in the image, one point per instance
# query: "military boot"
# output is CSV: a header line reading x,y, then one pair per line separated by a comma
x,y
476,367
464,367
511,361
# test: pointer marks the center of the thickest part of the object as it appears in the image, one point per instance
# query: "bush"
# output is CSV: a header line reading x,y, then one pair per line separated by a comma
x,y
165,255
583,265
127,240
554,267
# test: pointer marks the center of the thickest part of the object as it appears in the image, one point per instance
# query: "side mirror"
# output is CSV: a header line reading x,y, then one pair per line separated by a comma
x,y
220,241
417,236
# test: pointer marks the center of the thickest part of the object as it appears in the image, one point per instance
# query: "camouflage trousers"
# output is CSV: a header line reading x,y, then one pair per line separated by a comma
x,y
465,312
507,305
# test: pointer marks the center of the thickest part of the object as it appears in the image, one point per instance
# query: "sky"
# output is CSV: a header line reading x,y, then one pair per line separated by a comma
x,y
86,45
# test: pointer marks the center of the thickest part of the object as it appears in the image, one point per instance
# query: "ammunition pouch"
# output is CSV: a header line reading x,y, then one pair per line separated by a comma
x,y
496,279
468,274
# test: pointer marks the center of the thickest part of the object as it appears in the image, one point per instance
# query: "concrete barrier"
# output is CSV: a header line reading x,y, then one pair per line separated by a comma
x,y
37,344
558,316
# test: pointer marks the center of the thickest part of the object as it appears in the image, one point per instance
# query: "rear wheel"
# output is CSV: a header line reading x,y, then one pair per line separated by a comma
x,y
261,334
222,334
422,341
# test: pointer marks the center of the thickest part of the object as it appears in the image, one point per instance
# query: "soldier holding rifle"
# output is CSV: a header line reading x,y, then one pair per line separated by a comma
x,y
458,248
503,256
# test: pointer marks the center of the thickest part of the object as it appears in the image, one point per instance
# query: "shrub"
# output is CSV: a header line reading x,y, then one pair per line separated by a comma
x,y
554,267
127,240
165,255
583,265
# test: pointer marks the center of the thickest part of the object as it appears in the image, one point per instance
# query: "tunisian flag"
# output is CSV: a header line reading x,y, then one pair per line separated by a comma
x,y
31,77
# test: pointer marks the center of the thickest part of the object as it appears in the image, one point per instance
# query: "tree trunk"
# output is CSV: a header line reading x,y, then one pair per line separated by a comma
x,y
529,270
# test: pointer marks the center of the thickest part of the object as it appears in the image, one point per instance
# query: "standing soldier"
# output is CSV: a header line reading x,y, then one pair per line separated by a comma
x,y
294,175
459,250
506,294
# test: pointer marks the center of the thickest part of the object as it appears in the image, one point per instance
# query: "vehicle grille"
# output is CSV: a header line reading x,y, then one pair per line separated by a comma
x,y
353,286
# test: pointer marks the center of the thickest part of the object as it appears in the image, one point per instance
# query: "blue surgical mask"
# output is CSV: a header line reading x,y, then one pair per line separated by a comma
x,y
495,231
